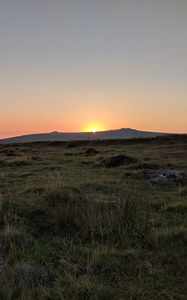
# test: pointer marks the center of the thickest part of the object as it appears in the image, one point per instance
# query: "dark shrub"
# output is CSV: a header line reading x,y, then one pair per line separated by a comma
x,y
118,160
91,151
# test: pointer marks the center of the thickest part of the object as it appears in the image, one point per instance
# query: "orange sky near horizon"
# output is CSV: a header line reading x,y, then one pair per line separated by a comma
x,y
36,111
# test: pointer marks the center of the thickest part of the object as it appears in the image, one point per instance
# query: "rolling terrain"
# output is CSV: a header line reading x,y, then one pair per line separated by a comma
x,y
94,220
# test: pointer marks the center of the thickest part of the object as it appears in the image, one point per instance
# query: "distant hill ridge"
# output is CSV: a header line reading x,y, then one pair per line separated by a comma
x,y
123,133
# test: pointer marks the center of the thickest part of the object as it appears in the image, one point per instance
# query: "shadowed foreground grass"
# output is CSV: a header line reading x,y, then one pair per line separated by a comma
x,y
84,221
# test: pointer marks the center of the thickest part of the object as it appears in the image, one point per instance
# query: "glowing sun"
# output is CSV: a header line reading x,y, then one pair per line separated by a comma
x,y
93,128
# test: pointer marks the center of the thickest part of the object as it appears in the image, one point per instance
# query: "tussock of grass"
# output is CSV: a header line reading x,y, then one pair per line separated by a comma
x,y
118,160
11,235
173,237
179,208
18,163
91,151
116,220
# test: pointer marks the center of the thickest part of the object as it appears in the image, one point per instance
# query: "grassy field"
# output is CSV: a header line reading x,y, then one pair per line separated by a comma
x,y
84,220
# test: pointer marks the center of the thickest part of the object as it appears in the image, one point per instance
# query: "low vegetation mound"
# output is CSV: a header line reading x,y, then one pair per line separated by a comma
x,y
91,151
118,160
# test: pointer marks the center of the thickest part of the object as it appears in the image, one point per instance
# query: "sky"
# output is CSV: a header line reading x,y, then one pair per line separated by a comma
x,y
79,65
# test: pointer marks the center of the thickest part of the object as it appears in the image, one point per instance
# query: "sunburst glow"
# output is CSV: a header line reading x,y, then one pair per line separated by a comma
x,y
94,127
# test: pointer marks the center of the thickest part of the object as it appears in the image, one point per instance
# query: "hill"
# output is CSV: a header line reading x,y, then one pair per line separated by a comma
x,y
124,133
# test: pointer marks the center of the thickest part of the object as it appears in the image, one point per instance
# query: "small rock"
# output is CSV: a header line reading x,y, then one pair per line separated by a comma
x,y
157,176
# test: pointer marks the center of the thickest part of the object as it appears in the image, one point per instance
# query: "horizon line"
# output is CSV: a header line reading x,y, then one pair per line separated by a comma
x,y
87,132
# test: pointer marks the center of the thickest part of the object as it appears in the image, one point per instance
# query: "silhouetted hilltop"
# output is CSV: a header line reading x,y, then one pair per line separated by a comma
x,y
124,133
